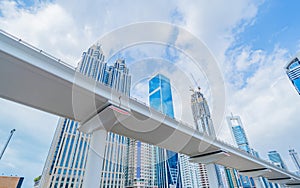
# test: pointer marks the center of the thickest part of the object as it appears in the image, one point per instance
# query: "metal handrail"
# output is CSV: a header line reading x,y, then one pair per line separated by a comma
x,y
35,49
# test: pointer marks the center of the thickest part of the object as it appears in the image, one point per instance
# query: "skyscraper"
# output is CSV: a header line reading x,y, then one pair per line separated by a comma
x,y
141,165
167,162
293,72
238,132
201,114
65,164
276,159
204,124
295,158
233,178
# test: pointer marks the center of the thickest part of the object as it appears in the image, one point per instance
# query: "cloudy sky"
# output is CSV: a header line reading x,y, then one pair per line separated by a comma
x,y
251,42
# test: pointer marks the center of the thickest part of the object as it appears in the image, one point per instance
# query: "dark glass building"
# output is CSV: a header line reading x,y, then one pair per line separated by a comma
x,y
293,72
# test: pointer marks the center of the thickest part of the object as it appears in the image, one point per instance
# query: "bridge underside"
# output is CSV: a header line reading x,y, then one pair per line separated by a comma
x,y
29,77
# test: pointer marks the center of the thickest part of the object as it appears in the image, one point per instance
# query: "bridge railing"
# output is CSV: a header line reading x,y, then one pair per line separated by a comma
x,y
35,48
70,66
141,102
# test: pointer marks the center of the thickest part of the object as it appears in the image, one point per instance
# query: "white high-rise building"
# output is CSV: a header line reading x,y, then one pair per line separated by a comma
x,y
186,171
116,148
201,114
204,124
65,164
141,165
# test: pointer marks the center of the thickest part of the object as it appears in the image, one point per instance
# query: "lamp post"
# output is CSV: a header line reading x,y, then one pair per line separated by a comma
x,y
6,144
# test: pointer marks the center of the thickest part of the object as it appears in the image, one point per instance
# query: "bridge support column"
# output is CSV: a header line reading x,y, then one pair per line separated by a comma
x,y
212,175
95,157
92,176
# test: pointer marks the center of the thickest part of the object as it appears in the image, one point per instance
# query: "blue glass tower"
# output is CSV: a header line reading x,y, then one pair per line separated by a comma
x,y
238,133
167,164
293,72
276,159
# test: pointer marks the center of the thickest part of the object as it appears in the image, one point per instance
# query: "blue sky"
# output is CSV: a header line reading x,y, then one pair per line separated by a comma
x,y
276,23
251,41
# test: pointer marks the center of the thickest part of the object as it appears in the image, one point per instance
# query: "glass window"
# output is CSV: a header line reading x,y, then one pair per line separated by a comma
x,y
154,83
167,98
294,64
296,83
155,101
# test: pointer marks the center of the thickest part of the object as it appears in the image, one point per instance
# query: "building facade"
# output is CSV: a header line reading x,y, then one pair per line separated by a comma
x,y
11,181
141,165
204,124
293,72
116,149
65,164
238,132
167,165
201,114
276,159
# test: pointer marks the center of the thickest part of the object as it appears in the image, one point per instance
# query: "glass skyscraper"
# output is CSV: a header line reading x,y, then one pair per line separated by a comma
x,y
151,166
167,162
293,72
295,159
238,133
276,159
65,164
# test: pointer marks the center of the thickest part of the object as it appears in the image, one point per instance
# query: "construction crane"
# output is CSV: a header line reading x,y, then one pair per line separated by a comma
x,y
195,82
7,142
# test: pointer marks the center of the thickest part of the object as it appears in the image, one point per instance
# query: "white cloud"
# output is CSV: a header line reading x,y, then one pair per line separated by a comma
x,y
268,105
217,24
67,28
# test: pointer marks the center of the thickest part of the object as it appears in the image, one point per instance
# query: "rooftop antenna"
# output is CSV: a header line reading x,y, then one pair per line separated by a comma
x,y
7,142
195,83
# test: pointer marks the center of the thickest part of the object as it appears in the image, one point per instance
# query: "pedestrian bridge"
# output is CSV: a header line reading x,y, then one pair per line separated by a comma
x,y
34,78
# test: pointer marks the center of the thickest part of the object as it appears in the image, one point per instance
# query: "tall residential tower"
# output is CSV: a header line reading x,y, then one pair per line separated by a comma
x,y
65,164
204,124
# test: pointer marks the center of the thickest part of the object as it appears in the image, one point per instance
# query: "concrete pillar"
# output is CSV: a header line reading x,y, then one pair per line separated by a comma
x,y
212,175
92,176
